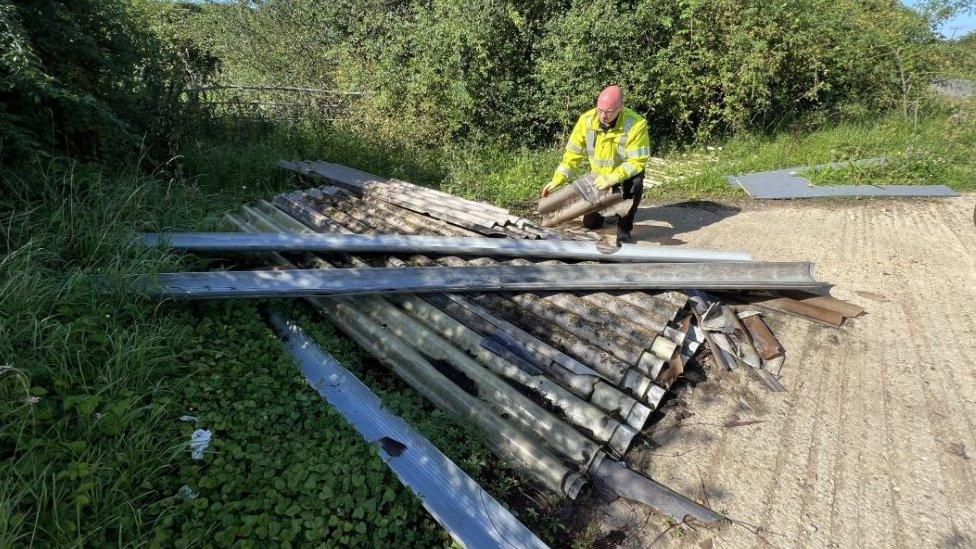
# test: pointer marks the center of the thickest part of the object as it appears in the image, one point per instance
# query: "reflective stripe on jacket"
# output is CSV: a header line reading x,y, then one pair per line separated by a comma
x,y
617,153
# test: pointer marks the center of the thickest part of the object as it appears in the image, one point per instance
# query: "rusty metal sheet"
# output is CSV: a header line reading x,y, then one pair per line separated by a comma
x,y
846,308
766,343
801,309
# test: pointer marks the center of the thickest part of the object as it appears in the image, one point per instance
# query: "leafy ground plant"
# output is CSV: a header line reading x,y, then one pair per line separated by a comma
x,y
94,383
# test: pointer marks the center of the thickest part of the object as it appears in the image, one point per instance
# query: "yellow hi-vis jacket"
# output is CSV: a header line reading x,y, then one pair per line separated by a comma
x,y
616,154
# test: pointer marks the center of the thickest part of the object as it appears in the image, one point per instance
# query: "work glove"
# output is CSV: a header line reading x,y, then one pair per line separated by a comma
x,y
548,188
602,182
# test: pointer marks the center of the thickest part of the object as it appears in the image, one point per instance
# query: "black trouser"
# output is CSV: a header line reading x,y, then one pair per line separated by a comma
x,y
632,188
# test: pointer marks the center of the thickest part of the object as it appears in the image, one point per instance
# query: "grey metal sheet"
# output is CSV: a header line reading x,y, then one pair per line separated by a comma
x,y
361,281
343,176
436,203
481,206
786,184
440,211
435,207
636,487
437,245
456,501
408,189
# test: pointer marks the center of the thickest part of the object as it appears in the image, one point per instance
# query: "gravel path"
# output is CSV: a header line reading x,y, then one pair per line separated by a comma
x,y
874,442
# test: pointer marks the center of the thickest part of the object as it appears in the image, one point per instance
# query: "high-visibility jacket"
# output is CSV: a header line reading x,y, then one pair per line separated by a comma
x,y
617,154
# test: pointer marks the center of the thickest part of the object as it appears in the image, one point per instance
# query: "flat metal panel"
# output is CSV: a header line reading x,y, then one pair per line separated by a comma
x,y
636,487
360,281
786,184
471,515
436,245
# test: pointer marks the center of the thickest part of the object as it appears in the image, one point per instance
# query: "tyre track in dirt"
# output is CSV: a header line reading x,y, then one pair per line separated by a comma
x,y
873,443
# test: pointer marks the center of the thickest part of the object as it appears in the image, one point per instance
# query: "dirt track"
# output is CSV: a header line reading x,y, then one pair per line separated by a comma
x,y
874,442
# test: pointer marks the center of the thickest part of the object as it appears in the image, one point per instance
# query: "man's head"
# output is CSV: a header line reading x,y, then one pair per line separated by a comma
x,y
608,104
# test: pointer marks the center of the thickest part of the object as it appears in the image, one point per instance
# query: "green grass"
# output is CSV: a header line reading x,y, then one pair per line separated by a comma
x,y
92,384
283,465
935,149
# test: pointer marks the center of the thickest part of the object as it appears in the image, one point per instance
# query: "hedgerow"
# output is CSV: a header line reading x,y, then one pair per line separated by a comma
x,y
519,72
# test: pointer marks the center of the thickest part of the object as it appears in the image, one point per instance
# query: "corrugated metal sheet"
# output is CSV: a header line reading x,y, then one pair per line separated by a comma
x,y
465,213
524,338
472,516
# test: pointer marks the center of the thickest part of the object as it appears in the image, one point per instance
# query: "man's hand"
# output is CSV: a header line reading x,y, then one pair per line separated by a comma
x,y
602,182
548,188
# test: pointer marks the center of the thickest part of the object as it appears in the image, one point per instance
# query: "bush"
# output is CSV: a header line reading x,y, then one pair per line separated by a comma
x,y
699,66
85,78
520,72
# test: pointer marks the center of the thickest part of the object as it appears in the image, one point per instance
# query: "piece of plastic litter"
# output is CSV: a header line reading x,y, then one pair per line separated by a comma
x,y
199,441
186,493
188,419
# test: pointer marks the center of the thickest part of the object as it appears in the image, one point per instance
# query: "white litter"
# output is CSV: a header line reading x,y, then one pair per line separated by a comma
x,y
199,441
186,493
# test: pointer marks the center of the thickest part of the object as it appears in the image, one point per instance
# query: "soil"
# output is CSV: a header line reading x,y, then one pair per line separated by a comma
x,y
874,442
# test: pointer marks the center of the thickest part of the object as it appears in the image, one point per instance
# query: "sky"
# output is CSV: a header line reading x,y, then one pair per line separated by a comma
x,y
956,27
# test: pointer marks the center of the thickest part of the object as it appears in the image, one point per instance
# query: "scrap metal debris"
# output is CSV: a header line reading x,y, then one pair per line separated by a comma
x,y
560,381
880,298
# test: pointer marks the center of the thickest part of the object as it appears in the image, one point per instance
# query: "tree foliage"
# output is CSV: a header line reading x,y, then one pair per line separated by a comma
x,y
444,69
695,66
87,78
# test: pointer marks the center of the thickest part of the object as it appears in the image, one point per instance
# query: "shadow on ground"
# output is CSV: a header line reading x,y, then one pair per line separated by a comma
x,y
663,223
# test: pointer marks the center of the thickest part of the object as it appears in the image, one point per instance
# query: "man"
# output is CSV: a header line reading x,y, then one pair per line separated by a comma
x,y
614,139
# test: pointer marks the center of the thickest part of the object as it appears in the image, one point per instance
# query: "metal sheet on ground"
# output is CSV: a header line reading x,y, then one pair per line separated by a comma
x,y
636,487
362,281
438,245
456,501
785,184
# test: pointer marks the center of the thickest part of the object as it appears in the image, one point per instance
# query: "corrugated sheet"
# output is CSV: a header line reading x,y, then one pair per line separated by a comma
x,y
601,355
472,516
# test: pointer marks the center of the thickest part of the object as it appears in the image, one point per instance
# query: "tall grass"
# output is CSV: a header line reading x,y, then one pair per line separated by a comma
x,y
82,433
87,434
94,378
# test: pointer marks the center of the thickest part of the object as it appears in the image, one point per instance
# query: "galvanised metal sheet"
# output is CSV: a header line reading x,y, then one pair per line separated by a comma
x,y
361,281
785,184
471,515
437,245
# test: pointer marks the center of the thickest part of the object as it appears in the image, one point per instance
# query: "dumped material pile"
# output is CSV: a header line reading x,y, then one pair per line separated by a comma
x,y
560,382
